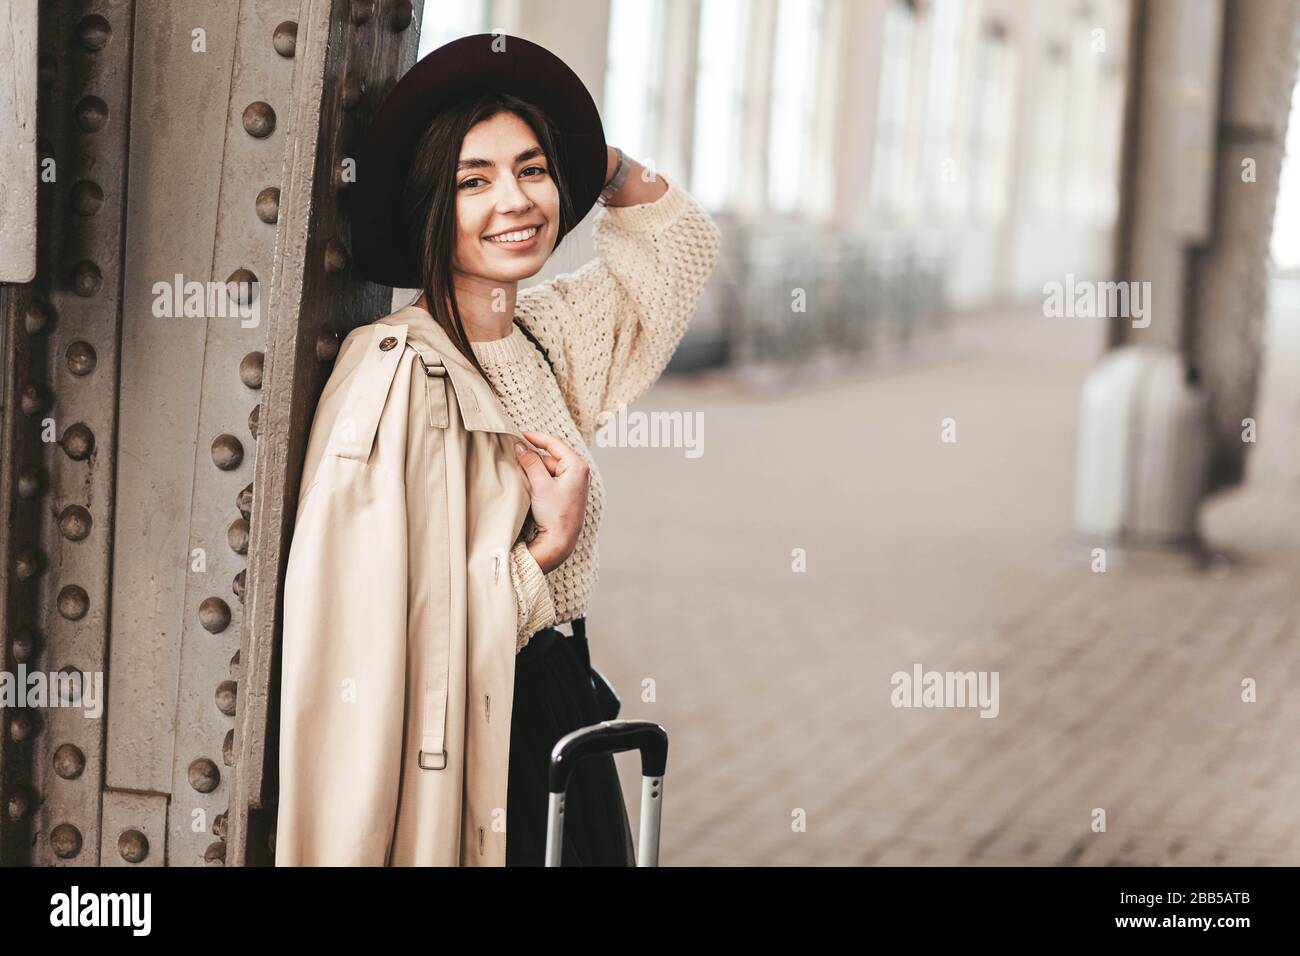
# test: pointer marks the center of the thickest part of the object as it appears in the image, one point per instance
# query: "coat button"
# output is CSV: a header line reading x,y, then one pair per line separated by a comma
x,y
388,343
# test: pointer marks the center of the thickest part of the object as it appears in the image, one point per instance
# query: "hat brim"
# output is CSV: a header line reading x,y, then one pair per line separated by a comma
x,y
466,66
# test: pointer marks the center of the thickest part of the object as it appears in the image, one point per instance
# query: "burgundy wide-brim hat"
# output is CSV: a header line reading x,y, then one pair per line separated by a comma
x,y
458,69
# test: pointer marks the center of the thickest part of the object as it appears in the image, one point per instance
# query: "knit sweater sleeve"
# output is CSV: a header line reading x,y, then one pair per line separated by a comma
x,y
536,608
612,325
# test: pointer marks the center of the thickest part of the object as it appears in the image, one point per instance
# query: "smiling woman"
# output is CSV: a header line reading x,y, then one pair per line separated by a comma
x,y
483,157
483,173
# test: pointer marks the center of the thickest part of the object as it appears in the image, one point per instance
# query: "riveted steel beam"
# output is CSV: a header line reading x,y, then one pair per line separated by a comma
x,y
350,53
59,451
207,150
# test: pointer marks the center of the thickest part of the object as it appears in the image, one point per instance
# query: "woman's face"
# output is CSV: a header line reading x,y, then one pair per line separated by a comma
x,y
504,189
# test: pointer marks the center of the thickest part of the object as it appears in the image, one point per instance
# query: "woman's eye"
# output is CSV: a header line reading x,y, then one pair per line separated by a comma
x,y
475,180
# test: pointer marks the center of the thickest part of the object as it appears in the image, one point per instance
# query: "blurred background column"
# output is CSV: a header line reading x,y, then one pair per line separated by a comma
x,y
1164,412
1229,274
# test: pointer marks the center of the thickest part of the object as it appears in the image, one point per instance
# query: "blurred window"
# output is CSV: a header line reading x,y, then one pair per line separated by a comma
x,y
991,127
889,176
794,90
444,22
1285,244
1110,112
1085,170
634,76
938,162
719,100
1048,158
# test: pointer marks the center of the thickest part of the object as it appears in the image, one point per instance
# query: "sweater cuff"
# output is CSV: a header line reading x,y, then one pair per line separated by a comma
x,y
654,216
532,594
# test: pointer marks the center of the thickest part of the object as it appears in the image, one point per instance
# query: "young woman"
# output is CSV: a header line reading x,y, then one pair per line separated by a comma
x,y
500,172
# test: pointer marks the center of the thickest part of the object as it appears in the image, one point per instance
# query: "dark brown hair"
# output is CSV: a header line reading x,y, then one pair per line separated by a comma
x,y
429,197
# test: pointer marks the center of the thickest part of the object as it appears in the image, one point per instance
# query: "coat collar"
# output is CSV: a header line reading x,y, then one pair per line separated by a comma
x,y
480,408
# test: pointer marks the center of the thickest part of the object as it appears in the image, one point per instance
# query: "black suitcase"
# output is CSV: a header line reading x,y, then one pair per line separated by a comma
x,y
610,737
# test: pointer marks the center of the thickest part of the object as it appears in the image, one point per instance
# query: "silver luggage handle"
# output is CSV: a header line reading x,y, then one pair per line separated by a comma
x,y
610,737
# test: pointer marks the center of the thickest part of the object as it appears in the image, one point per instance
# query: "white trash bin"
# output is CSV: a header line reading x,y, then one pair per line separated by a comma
x,y
1144,443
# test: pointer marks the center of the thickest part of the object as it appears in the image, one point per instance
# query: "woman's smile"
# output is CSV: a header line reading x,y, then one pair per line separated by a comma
x,y
516,240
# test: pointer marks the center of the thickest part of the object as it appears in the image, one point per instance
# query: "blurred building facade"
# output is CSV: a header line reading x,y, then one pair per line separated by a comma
x,y
893,159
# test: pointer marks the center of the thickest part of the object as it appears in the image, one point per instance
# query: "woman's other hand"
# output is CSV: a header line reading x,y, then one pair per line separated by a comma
x,y
557,483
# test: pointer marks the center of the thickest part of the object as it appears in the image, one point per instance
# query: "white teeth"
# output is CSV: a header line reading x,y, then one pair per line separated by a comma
x,y
519,236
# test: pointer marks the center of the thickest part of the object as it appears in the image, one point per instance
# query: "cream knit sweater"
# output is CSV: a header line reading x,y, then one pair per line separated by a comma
x,y
610,328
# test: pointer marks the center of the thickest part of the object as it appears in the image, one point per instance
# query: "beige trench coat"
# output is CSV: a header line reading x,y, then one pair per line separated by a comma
x,y
399,616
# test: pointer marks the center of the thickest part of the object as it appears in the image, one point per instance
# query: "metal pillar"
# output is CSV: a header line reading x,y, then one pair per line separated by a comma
x,y
145,479
1209,91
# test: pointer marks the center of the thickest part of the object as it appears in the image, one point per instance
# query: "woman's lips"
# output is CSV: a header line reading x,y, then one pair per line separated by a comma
x,y
520,245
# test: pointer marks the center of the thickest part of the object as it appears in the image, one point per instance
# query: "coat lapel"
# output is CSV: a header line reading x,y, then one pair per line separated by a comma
x,y
480,408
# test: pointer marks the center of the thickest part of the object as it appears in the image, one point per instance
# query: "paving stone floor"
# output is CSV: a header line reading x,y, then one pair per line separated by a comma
x,y
1119,691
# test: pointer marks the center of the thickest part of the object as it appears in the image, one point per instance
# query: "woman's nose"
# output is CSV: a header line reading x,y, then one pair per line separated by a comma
x,y
511,197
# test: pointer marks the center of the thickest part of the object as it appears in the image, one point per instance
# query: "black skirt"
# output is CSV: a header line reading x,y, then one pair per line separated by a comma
x,y
554,696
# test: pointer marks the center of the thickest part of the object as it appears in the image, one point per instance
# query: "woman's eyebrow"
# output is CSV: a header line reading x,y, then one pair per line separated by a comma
x,y
484,163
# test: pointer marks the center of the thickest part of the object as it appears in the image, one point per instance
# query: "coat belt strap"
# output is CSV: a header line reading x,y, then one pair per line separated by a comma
x,y
433,746
433,731
435,392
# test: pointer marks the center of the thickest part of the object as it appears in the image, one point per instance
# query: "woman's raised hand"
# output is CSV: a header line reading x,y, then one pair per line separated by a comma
x,y
641,186
557,483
